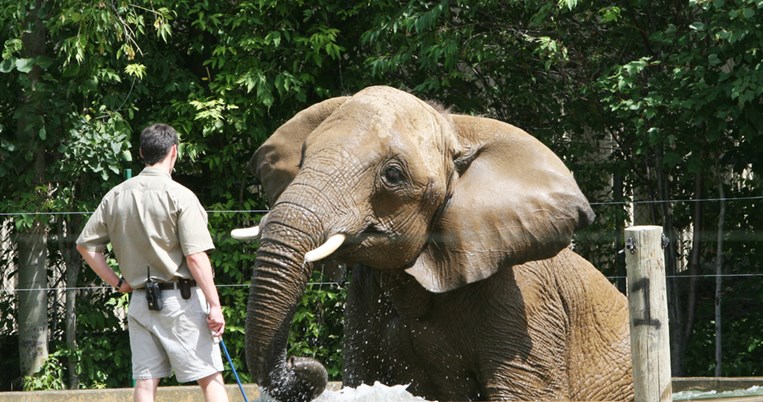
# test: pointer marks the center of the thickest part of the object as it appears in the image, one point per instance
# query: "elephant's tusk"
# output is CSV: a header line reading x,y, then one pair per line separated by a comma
x,y
325,249
245,233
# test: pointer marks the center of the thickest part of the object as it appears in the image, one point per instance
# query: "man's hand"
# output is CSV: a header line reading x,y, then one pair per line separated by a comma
x,y
125,287
97,262
216,321
201,270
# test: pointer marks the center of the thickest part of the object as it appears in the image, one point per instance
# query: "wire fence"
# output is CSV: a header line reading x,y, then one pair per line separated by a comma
x,y
263,211
604,259
599,244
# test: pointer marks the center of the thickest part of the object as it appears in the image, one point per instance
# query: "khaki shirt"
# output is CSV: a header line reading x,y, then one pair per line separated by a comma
x,y
151,221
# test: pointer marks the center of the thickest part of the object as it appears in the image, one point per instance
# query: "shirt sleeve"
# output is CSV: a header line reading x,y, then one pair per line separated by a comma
x,y
95,235
192,229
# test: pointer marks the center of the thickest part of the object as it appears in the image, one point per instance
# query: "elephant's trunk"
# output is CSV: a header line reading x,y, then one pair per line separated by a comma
x,y
278,282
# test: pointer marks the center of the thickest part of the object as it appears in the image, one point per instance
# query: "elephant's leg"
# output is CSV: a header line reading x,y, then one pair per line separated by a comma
x,y
365,318
375,341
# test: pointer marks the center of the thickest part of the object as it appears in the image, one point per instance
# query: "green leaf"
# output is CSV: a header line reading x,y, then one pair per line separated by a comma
x,y
137,70
24,65
671,159
7,65
44,62
697,26
71,70
570,4
610,14
273,37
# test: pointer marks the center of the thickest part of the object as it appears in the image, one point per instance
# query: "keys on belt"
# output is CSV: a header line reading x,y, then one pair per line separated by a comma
x,y
184,285
179,284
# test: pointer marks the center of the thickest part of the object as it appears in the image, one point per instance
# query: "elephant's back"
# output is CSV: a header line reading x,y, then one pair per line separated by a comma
x,y
598,353
576,280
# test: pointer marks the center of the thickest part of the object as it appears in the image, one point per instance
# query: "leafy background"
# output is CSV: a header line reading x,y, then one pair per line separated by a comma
x,y
646,101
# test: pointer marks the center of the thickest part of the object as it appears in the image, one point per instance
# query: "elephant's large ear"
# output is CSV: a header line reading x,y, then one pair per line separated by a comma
x,y
276,161
513,201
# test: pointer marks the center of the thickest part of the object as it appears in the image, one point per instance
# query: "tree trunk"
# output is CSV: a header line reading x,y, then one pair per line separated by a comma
x,y
72,261
71,324
32,242
620,218
33,299
692,271
673,284
719,278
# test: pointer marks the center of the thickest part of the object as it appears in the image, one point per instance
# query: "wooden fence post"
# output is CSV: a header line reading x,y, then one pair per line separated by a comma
x,y
647,303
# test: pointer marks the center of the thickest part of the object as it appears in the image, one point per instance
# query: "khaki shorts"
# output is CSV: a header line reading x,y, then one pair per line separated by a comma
x,y
177,337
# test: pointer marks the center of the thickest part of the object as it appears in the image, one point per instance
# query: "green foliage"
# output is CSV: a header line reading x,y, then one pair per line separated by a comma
x,y
653,94
99,146
683,101
102,357
233,261
50,376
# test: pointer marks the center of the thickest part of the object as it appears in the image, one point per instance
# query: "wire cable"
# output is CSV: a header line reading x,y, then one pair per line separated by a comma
x,y
327,283
265,211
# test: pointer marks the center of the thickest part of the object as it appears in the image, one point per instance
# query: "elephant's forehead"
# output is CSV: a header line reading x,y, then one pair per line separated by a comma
x,y
387,111
382,120
397,122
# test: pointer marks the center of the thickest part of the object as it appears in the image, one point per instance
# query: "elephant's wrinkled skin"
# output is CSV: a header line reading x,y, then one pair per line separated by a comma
x,y
457,231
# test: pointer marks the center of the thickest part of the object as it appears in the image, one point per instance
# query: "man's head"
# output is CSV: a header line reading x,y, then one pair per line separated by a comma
x,y
156,143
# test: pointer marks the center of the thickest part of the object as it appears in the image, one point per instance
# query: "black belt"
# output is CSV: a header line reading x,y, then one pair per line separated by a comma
x,y
177,284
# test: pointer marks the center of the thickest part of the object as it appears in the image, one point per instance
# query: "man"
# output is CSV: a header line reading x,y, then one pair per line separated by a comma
x,y
158,231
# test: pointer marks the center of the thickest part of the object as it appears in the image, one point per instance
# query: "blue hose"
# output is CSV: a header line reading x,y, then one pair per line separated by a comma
x,y
238,380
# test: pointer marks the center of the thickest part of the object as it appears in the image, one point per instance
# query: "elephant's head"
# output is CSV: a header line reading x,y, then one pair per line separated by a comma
x,y
386,180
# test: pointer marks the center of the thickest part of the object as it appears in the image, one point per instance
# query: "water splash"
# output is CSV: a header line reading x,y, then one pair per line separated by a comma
x,y
366,393
698,395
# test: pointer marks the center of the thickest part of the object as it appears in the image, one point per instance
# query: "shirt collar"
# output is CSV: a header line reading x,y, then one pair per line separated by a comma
x,y
155,171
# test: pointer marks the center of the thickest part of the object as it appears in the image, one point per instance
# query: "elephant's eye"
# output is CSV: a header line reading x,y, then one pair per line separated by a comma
x,y
393,175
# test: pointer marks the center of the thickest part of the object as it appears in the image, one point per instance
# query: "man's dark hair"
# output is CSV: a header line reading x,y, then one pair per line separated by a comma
x,y
156,141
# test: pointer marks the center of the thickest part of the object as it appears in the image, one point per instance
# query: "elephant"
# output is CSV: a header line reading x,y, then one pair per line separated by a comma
x,y
456,232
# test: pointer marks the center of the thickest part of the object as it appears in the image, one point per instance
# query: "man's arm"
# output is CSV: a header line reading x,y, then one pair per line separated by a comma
x,y
97,262
201,270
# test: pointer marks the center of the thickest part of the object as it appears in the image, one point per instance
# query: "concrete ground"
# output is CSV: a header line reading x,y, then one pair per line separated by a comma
x,y
164,394
192,393
185,393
